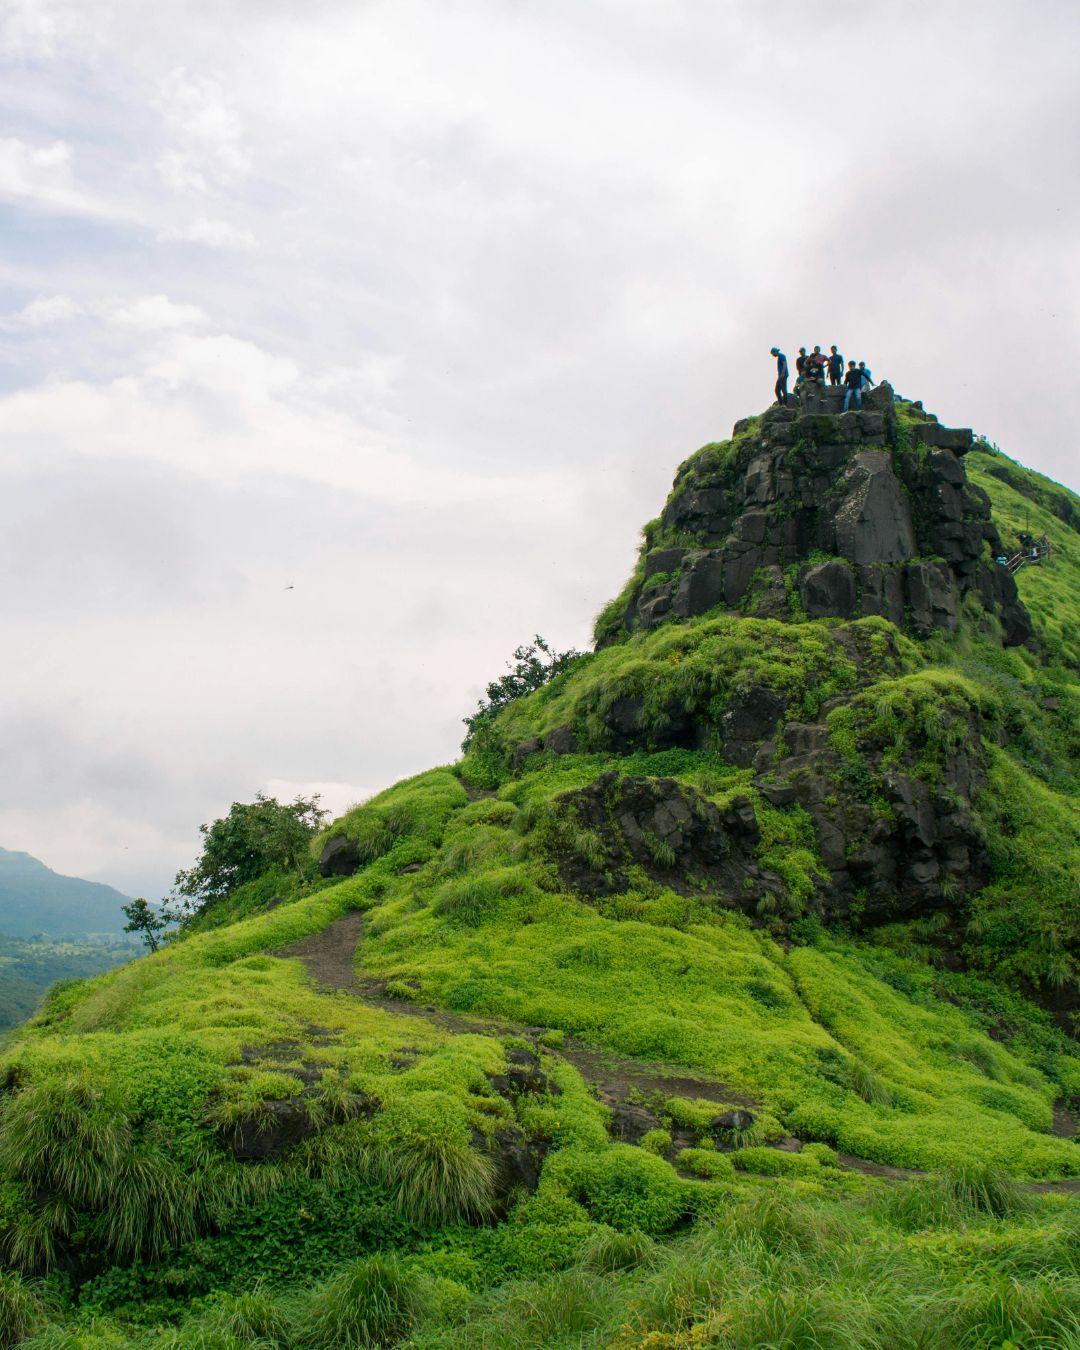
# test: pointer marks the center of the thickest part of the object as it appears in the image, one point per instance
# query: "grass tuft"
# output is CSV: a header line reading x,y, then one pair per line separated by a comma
x,y
372,1303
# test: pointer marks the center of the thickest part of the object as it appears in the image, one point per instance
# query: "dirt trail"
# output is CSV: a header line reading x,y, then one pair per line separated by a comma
x,y
328,957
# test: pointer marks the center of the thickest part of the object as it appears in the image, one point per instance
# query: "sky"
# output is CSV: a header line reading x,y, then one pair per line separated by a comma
x,y
345,346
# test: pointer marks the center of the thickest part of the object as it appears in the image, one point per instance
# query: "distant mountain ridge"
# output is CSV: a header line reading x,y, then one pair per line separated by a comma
x,y
35,899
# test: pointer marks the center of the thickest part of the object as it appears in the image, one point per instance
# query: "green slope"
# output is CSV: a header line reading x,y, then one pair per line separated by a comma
x,y
911,1045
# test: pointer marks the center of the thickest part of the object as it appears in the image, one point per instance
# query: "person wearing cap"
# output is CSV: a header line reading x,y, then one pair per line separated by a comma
x,y
836,366
781,376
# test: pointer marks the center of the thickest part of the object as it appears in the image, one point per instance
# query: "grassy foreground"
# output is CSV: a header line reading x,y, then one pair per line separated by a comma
x,y
128,1218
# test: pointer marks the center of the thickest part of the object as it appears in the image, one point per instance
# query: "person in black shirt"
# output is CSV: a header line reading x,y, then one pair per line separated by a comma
x,y
853,381
800,363
836,367
781,376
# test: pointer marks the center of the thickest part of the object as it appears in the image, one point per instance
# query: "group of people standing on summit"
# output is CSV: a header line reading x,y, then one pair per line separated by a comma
x,y
813,368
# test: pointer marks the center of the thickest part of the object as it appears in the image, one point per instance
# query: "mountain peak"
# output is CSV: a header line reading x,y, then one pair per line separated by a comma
x,y
808,511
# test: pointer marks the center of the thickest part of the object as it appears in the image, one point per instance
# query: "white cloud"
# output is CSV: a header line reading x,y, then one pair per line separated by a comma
x,y
145,313
41,176
211,233
156,313
43,312
336,798
207,131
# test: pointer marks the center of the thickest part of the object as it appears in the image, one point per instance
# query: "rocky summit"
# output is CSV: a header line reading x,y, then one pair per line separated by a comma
x,y
723,993
812,512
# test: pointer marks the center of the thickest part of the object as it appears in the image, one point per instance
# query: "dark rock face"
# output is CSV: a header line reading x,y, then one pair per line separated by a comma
x,y
667,830
873,524
890,507
922,852
340,857
827,588
518,1162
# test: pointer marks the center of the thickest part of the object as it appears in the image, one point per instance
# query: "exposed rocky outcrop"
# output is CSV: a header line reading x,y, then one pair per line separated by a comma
x,y
280,1125
884,505
666,830
896,846
340,857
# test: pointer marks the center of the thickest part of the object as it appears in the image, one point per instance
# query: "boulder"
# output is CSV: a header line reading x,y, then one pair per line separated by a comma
x,y
751,716
340,857
630,1122
521,753
561,741
663,560
518,1162
827,589
881,592
873,523
277,1126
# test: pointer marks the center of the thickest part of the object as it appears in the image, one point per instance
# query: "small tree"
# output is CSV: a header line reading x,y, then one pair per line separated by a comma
x,y
143,918
253,838
532,668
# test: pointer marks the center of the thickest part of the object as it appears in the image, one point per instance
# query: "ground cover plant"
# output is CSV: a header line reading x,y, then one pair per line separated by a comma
x,y
536,1074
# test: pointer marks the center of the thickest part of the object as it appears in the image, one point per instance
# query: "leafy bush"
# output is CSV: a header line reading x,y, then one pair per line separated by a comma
x,y
252,839
631,1190
534,666
706,1162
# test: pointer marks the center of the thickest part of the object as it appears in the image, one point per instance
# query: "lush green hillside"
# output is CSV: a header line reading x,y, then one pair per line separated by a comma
x,y
636,1027
35,899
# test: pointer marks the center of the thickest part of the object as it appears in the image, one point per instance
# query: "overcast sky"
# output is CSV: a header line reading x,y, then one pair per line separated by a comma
x,y
344,346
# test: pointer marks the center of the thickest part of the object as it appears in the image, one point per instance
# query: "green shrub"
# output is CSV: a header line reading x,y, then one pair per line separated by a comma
x,y
255,1317
954,1198
656,1141
435,1178
706,1162
608,1250
564,1309
373,1302
630,1190
773,1162
23,1307
88,1334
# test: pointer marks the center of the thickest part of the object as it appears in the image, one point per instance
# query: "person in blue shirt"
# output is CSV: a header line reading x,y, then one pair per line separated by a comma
x,y
868,379
836,367
853,382
781,376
